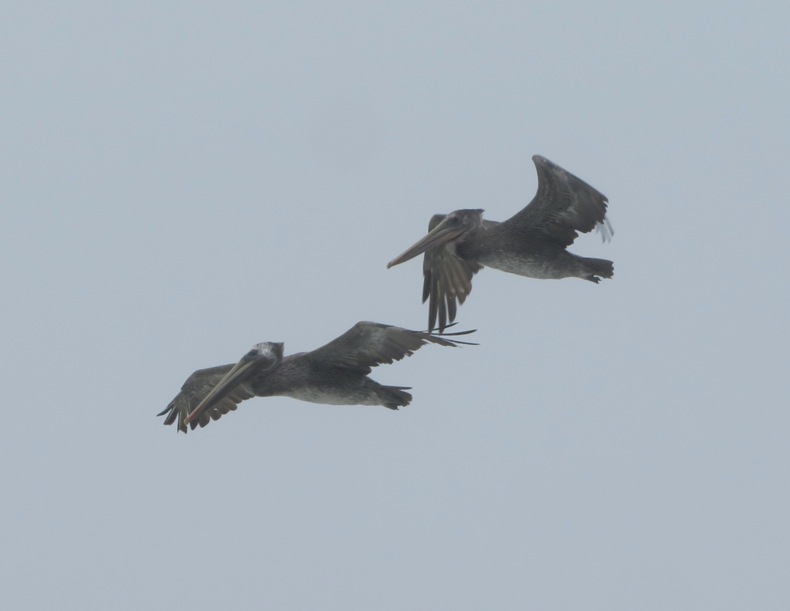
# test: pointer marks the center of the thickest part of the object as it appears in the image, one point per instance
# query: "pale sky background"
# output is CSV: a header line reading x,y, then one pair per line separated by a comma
x,y
181,180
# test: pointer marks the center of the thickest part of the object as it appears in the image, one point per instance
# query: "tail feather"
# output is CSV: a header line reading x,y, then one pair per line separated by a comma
x,y
393,397
598,268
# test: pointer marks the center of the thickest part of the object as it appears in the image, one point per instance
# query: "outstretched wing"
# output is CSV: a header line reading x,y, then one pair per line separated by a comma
x,y
195,389
563,206
368,344
447,280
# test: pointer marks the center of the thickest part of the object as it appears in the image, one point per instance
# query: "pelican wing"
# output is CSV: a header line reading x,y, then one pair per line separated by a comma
x,y
563,206
447,280
368,344
195,389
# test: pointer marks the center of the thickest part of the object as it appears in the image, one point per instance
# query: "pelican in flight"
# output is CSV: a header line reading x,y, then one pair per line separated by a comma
x,y
335,374
531,243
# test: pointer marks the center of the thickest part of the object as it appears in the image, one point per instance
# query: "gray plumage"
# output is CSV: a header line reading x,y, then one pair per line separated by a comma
x,y
531,243
335,374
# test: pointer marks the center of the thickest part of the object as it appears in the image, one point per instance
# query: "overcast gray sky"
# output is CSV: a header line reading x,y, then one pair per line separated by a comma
x,y
182,180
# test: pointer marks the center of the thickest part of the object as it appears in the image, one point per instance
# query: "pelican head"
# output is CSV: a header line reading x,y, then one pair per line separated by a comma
x,y
271,352
450,228
260,358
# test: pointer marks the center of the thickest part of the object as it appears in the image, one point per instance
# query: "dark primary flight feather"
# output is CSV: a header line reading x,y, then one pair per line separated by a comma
x,y
531,243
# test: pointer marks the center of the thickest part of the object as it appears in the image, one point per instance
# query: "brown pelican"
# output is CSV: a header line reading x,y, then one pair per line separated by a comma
x,y
335,374
531,243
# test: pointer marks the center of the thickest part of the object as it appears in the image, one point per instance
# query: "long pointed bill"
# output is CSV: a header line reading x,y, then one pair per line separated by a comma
x,y
221,390
441,234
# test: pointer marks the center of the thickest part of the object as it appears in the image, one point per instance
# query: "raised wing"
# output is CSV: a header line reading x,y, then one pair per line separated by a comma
x,y
368,344
195,389
447,280
563,206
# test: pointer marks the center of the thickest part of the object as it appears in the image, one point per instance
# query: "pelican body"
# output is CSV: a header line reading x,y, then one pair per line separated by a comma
x,y
334,374
531,243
